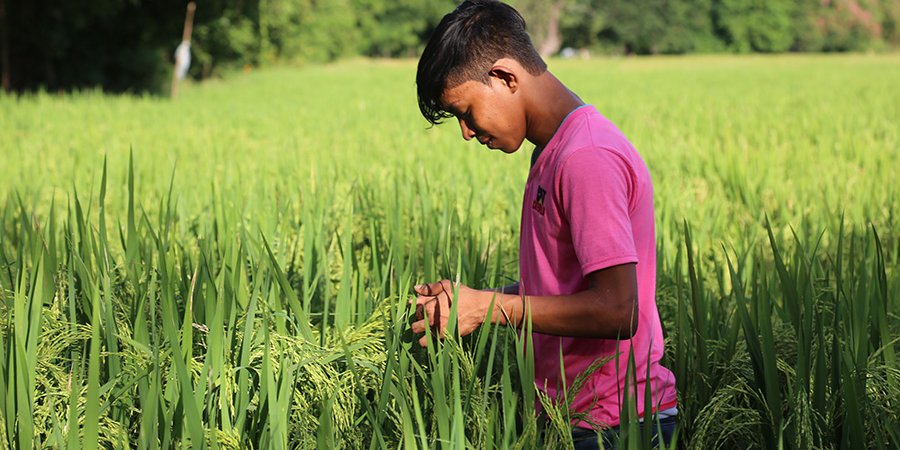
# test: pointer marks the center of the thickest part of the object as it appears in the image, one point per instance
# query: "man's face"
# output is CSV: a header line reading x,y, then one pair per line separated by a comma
x,y
490,113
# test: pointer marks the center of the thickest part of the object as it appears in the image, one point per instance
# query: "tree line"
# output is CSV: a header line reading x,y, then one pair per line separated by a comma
x,y
127,45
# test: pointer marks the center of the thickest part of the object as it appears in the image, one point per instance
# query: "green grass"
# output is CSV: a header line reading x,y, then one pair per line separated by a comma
x,y
241,279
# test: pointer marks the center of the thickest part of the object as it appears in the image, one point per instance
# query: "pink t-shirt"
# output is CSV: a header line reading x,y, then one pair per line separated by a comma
x,y
589,205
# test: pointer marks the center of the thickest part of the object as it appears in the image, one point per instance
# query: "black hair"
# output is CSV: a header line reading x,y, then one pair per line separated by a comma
x,y
465,45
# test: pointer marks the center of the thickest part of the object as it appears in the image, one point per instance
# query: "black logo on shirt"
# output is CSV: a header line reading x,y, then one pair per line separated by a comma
x,y
538,203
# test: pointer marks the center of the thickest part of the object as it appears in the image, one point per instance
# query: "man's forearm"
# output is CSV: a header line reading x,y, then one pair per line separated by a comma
x,y
588,313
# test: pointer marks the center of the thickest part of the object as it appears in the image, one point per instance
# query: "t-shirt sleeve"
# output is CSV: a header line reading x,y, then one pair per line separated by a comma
x,y
595,185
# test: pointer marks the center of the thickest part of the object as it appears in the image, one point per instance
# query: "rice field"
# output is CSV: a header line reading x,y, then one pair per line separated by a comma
x,y
231,269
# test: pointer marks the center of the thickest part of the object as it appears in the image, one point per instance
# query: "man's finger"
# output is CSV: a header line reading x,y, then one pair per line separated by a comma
x,y
426,306
423,341
430,309
420,312
429,289
418,327
435,316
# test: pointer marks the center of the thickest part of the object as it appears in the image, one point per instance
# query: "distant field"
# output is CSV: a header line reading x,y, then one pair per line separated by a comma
x,y
246,285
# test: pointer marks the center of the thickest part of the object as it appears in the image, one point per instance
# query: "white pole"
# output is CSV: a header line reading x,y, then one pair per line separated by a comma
x,y
183,52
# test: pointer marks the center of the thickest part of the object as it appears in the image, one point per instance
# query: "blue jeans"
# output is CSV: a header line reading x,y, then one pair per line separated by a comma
x,y
587,439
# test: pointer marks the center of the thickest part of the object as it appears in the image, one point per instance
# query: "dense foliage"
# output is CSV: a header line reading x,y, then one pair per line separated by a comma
x,y
242,283
127,45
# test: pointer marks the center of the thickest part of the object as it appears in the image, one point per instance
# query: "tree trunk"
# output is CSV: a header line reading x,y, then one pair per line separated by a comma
x,y
4,47
553,39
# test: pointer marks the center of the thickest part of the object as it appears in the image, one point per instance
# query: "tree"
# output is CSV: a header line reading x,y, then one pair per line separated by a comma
x,y
639,26
581,23
850,24
4,47
808,31
543,19
397,27
689,27
891,22
756,25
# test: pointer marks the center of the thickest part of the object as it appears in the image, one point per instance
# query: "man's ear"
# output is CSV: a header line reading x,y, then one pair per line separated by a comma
x,y
505,75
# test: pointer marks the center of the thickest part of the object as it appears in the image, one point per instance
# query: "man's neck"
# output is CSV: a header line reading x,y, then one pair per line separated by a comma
x,y
548,106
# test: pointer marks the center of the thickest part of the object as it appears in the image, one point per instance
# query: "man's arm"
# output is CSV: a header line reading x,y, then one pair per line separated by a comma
x,y
607,309
512,288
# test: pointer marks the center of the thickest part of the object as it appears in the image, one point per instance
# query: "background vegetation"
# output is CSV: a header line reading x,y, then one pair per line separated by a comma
x,y
231,269
127,45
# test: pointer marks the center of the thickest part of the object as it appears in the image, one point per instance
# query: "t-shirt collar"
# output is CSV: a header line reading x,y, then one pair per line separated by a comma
x,y
539,150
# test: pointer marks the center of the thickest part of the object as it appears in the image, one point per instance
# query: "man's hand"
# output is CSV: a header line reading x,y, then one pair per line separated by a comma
x,y
433,303
607,308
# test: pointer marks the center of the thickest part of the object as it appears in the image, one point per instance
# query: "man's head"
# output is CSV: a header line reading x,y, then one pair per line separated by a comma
x,y
477,54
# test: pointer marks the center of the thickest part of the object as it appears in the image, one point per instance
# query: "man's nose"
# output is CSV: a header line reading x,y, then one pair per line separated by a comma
x,y
467,133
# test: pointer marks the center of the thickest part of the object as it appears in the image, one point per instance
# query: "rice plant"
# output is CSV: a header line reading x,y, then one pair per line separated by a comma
x,y
242,282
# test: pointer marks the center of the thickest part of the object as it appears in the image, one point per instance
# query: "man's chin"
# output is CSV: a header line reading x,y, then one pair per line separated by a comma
x,y
507,149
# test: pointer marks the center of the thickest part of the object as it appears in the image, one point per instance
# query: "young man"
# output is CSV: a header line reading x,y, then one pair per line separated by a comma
x,y
588,246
